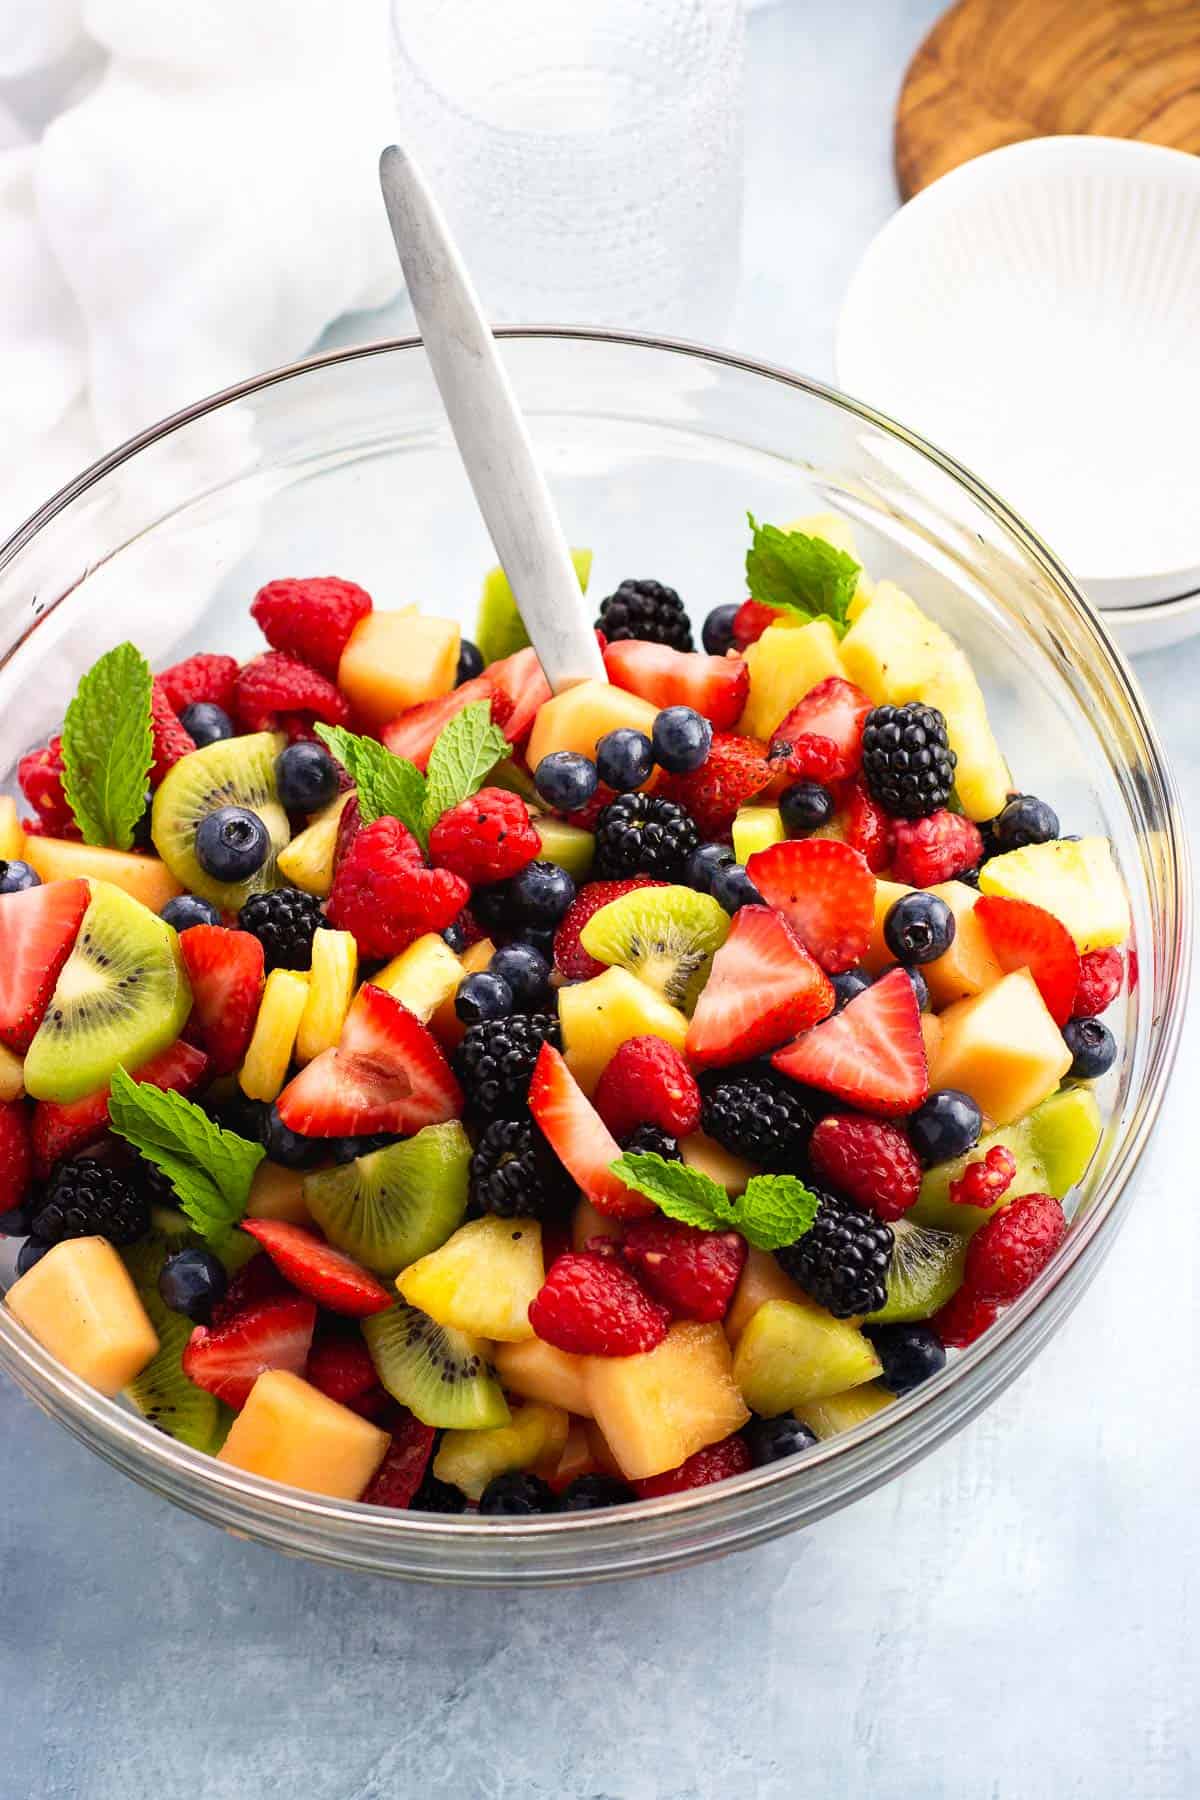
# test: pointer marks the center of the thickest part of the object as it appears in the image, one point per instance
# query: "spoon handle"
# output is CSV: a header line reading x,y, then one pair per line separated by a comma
x,y
492,440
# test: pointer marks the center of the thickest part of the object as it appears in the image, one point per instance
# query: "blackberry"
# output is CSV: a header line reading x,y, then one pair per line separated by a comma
x,y
86,1199
438,1496
516,1175
843,1259
285,923
639,834
908,764
760,1116
517,1493
495,1061
648,610
652,1140
157,1189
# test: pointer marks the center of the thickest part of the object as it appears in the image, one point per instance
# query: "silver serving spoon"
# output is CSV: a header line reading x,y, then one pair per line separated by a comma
x,y
491,435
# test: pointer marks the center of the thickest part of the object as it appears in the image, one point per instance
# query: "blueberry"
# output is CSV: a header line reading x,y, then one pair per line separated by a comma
x,y
470,662
1093,1048
483,996
31,1251
16,876
192,1282
920,986
1025,820
588,1492
288,1147
540,894
848,985
717,632
945,1126
206,723
187,910
349,1149
732,888
492,904
525,972
703,863
456,937
681,739
438,1497
143,839
805,807
518,1493
539,938
918,928
15,1222
305,777
565,780
624,759
910,1354
231,843
769,1439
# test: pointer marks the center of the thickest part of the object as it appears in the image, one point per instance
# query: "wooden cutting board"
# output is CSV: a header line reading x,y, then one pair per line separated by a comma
x,y
992,72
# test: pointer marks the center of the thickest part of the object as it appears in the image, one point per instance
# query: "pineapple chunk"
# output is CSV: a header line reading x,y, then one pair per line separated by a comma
x,y
278,1193
482,1279
656,1409
792,1351
1076,881
80,1304
395,660
981,776
289,1431
968,966
761,1280
423,976
886,650
538,1371
307,862
12,837
580,716
587,1223
597,1016
831,526
444,1022
330,991
1003,1048
270,1050
713,1159
470,1459
877,957
143,877
756,828
12,1075
784,664
842,1412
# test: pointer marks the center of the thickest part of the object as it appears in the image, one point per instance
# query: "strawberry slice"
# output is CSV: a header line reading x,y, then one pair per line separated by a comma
x,y
826,893
716,686
387,1074
750,621
867,828
61,1130
227,1360
37,929
570,957
579,1137
871,1054
400,1474
1025,936
763,989
520,679
328,1276
834,712
225,969
735,770
415,732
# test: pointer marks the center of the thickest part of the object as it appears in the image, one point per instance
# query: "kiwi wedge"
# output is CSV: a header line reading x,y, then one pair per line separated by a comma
x,y
1052,1147
499,628
397,1204
237,771
665,936
162,1392
122,996
442,1376
927,1267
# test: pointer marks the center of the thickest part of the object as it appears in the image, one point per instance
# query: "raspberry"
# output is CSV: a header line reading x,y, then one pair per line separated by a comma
x,y
750,621
736,770
1100,974
340,1365
693,1272
983,1181
869,1160
312,618
1013,1248
964,1317
647,1082
204,678
40,777
714,1463
809,757
404,1465
868,829
591,1306
171,741
487,838
585,816
279,683
570,958
935,848
384,894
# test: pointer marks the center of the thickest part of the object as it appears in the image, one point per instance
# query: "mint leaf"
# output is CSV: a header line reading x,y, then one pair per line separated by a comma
x,y
468,748
774,1210
388,786
107,747
210,1169
805,576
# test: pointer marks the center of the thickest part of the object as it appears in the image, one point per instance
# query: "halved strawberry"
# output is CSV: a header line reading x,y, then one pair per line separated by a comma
x,y
826,893
387,1074
736,769
1025,936
16,1154
763,989
37,929
225,969
579,1137
521,680
228,1359
867,828
415,732
402,1470
570,957
255,1283
750,621
716,686
834,711
871,1054
61,1130
328,1276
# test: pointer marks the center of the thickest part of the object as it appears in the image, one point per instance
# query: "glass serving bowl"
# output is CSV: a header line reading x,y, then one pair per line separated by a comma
x,y
654,451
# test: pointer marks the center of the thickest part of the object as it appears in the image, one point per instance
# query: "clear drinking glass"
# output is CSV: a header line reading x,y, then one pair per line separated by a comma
x,y
588,153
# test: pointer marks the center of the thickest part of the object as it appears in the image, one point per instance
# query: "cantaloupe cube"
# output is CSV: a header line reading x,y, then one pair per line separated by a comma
x,y
539,1371
761,1280
307,862
12,838
601,1451
80,1304
1003,1048
147,879
423,976
598,1015
579,717
655,1410
395,660
278,1193
289,1431
968,965
877,957
587,1223
12,1075
714,1160
931,1033
842,1412
1075,879
784,664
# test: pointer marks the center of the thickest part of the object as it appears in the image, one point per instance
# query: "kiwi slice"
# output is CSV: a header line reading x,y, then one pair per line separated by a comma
x,y
397,1204
499,628
162,1392
927,1267
237,771
442,1376
665,936
122,996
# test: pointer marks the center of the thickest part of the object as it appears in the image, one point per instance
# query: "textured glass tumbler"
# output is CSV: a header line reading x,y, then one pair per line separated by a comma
x,y
588,153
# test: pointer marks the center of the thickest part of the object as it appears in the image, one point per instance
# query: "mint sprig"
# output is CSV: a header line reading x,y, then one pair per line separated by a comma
x,y
388,786
467,750
806,577
210,1169
774,1210
107,747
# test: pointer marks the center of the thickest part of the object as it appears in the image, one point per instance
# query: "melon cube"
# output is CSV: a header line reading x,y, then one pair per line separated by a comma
x,y
80,1304
395,660
576,1459
144,877
597,1016
968,965
842,1412
657,1409
784,664
601,1451
539,1371
289,1431
712,1159
482,1280
579,717
1003,1048
877,957
1076,880
423,976
761,1280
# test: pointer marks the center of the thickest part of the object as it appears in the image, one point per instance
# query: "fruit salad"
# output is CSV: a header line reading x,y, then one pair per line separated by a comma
x,y
420,1088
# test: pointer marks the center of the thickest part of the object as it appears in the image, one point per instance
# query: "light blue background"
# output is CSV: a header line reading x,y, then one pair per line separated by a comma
x,y
1016,1619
